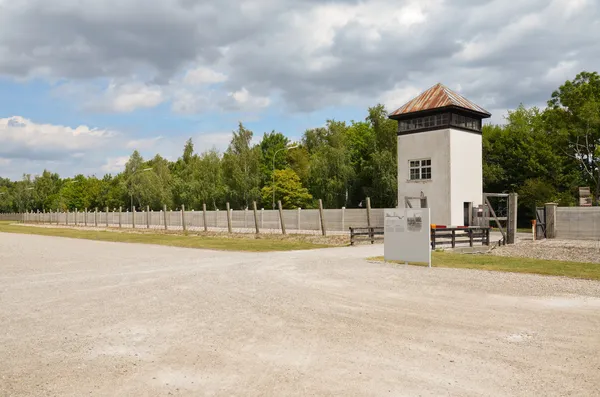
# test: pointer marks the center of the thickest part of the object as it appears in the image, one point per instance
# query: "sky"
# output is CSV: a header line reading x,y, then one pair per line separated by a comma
x,y
83,83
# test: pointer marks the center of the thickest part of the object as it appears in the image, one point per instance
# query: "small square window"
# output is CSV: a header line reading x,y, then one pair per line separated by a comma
x,y
420,169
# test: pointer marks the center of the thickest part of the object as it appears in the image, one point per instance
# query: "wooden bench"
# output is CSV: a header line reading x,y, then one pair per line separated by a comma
x,y
365,234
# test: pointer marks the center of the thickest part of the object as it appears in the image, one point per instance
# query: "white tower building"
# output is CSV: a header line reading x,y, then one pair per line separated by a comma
x,y
440,154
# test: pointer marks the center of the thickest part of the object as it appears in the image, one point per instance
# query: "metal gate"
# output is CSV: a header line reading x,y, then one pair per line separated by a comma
x,y
540,223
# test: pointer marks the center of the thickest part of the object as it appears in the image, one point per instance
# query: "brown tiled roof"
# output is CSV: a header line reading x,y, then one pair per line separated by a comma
x,y
438,96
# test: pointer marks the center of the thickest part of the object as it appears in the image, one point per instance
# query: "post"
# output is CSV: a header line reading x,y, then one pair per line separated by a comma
x,y
120,216
133,217
246,218
511,224
343,218
76,216
57,216
550,209
85,217
322,216
453,238
67,217
298,223
96,217
255,217
165,216
228,218
204,217
281,216
368,212
470,214
262,218
183,217
147,217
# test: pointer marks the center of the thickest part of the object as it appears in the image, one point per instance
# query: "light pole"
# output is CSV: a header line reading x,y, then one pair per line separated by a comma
x,y
131,192
277,151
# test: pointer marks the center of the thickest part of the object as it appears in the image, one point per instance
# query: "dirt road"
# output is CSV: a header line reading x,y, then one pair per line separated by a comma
x,y
81,318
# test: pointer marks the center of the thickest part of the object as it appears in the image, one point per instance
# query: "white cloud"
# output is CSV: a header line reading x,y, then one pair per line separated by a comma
x,y
203,75
115,164
21,137
128,97
247,101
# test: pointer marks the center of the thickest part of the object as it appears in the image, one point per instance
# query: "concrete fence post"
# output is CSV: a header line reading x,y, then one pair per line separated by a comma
x,y
281,216
147,217
255,217
298,220
343,218
246,218
165,216
216,217
228,218
322,217
550,209
67,217
120,217
133,216
85,217
183,217
262,218
511,224
368,212
76,217
204,217
96,217
57,216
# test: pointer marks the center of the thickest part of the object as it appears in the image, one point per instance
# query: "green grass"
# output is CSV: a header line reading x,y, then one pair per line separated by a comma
x,y
589,271
251,244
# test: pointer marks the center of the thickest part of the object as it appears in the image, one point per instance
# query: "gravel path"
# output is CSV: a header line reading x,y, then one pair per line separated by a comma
x,y
562,250
91,318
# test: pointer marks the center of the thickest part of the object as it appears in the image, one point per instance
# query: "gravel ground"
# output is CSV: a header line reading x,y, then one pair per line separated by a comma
x,y
106,319
563,250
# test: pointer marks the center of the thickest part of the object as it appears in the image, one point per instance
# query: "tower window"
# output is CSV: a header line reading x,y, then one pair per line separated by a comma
x,y
420,170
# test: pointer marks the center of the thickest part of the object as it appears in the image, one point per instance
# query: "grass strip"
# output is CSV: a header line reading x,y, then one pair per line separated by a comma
x,y
589,271
250,244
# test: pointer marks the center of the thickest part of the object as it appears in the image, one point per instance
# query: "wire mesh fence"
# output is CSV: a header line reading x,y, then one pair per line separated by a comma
x,y
297,221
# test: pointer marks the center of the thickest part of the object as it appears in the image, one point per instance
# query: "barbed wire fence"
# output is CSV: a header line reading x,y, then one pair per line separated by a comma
x,y
267,221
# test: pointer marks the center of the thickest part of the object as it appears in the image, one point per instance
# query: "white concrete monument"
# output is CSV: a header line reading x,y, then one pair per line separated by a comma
x,y
440,155
407,235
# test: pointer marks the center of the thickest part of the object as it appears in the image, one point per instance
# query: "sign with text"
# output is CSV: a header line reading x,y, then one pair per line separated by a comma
x,y
407,235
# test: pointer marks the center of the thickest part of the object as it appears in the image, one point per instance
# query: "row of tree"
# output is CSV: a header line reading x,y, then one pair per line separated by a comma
x,y
341,163
544,155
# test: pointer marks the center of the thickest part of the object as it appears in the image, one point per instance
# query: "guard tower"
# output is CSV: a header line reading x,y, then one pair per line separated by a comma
x,y
440,154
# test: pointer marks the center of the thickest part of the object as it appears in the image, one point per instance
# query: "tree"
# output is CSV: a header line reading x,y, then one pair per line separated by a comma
x,y
241,168
141,184
272,143
574,116
288,189
331,172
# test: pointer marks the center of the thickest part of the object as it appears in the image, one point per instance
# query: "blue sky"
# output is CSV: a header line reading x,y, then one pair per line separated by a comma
x,y
84,83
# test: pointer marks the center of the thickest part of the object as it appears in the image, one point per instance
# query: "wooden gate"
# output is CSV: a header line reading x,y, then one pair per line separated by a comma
x,y
540,224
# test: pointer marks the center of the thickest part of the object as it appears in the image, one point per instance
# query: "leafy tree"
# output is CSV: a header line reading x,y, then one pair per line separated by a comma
x,y
288,189
241,168
272,148
574,116
331,171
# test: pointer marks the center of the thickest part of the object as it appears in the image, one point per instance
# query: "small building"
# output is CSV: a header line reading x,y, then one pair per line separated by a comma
x,y
440,155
